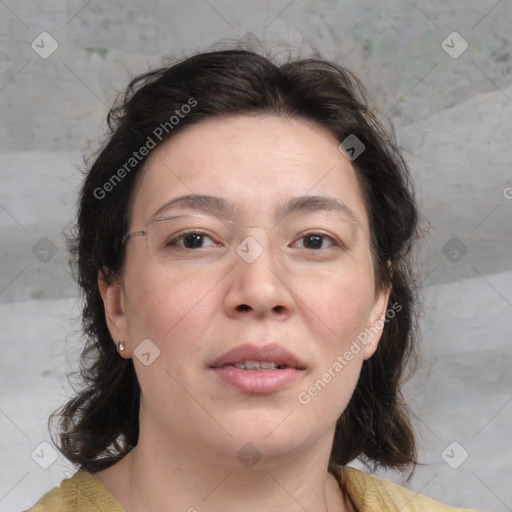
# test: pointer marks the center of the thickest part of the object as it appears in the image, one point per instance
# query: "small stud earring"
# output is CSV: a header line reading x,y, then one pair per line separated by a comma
x,y
120,346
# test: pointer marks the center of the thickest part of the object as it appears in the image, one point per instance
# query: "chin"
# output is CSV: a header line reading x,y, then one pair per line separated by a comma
x,y
271,437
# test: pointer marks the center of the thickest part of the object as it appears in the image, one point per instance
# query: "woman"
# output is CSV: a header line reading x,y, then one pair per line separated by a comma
x,y
242,247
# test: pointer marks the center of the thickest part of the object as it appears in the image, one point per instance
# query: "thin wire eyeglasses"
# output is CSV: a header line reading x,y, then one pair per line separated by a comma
x,y
149,223
175,238
172,238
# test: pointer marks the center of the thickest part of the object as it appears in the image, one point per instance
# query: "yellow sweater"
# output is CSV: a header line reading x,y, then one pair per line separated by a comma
x,y
84,493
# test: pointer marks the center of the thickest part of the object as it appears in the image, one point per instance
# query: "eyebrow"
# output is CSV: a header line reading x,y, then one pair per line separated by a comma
x,y
219,206
207,204
317,203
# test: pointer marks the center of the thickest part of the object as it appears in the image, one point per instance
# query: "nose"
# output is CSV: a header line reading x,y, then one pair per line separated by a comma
x,y
258,287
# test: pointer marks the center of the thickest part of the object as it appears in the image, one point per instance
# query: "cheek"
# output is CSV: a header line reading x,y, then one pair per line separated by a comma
x,y
174,311
162,305
343,308
339,305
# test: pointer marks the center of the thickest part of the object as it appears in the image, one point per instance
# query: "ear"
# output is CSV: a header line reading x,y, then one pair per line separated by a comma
x,y
114,303
376,320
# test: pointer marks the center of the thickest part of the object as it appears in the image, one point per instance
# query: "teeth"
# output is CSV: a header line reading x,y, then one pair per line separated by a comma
x,y
267,365
256,365
252,365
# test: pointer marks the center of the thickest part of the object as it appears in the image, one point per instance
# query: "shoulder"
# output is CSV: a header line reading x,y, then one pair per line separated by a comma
x,y
370,493
80,493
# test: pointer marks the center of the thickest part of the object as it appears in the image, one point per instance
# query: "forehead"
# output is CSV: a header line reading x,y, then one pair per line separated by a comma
x,y
257,163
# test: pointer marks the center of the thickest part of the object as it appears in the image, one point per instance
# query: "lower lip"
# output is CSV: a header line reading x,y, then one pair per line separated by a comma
x,y
257,382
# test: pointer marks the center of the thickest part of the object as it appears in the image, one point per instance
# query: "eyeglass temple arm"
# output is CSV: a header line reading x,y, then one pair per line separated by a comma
x,y
134,234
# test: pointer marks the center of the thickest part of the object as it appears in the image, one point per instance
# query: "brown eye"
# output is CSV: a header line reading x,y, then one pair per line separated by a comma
x,y
313,241
316,241
191,240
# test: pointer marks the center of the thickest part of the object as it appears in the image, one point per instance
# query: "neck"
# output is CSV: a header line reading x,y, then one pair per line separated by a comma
x,y
183,478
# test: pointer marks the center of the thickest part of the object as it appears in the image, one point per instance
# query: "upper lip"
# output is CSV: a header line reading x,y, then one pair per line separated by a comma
x,y
271,352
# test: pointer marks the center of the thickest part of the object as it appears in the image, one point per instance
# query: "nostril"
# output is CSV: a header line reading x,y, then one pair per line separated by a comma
x,y
278,309
243,307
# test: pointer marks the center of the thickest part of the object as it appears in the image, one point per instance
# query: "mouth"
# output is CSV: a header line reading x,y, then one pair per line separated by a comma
x,y
254,366
259,358
258,369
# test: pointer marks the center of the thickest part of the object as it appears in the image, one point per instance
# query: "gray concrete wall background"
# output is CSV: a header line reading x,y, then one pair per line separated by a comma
x,y
59,104
451,111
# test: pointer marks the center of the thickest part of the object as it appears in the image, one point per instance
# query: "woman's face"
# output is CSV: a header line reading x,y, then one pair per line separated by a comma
x,y
303,281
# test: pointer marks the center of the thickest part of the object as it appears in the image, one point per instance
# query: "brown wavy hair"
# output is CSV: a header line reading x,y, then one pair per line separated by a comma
x,y
100,424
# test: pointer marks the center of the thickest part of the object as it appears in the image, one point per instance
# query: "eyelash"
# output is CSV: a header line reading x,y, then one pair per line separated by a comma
x,y
174,241
334,242
183,235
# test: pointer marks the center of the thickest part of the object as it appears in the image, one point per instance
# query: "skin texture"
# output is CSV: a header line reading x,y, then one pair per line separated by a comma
x,y
313,302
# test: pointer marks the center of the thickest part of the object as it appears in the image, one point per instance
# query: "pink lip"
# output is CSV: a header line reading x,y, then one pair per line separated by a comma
x,y
258,382
261,382
270,352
